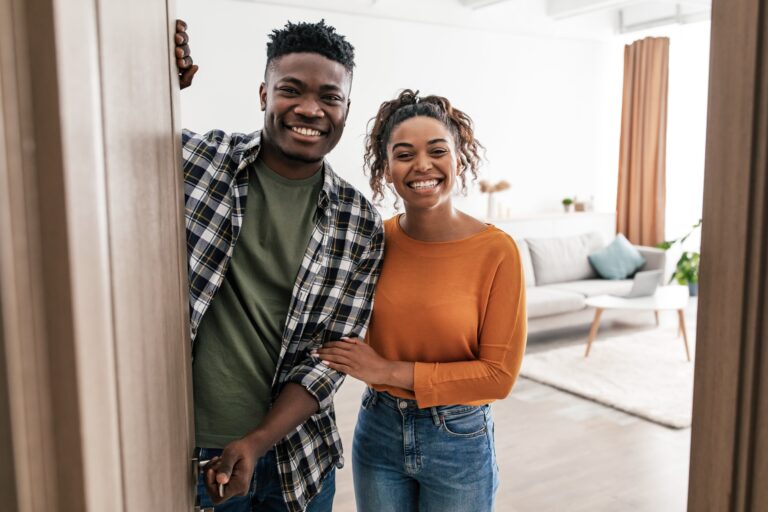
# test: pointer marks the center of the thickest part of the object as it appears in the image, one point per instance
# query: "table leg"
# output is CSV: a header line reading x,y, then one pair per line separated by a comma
x,y
657,318
681,324
593,330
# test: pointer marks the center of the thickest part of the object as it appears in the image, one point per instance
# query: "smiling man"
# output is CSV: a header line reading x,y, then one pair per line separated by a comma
x,y
283,257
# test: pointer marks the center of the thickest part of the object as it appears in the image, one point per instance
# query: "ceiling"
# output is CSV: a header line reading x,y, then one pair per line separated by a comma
x,y
593,19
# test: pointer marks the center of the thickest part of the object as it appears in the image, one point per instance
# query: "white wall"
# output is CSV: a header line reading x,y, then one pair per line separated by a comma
x,y
545,107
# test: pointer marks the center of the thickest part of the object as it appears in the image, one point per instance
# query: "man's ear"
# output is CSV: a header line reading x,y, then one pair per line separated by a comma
x,y
263,96
349,102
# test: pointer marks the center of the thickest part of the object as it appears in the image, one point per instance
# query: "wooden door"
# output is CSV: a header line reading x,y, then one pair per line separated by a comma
x,y
729,441
96,363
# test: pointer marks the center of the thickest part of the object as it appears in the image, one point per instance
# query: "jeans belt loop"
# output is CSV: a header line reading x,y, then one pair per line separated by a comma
x,y
374,396
435,416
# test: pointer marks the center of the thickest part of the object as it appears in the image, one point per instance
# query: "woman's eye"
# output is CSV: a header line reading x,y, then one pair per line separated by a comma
x,y
402,156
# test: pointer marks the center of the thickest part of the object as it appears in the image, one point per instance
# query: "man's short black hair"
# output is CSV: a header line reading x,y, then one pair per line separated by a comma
x,y
313,38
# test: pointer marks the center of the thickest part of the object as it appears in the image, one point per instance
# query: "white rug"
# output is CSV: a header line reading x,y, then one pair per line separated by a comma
x,y
644,374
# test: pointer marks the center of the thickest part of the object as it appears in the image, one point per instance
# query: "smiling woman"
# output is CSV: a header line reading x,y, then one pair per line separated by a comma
x,y
448,329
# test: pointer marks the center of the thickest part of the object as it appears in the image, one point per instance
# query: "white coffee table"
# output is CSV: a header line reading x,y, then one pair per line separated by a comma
x,y
666,298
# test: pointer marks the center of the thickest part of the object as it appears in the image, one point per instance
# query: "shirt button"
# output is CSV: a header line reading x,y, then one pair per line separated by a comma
x,y
402,405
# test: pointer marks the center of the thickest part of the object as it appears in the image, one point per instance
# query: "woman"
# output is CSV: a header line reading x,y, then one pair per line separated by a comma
x,y
448,329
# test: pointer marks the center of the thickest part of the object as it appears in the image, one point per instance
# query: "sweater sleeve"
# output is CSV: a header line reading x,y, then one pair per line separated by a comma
x,y
502,341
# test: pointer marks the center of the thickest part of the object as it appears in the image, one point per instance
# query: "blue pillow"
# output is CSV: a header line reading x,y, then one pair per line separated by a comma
x,y
617,261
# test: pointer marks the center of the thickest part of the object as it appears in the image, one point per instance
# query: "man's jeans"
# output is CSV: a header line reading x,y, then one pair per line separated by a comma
x,y
264,494
439,459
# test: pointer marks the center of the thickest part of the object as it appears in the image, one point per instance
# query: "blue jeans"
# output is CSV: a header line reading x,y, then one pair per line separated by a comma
x,y
265,494
439,459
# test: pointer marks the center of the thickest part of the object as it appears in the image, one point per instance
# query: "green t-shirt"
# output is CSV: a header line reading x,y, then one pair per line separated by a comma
x,y
239,338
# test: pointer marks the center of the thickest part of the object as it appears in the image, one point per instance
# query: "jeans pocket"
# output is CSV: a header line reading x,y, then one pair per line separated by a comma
x,y
367,401
466,425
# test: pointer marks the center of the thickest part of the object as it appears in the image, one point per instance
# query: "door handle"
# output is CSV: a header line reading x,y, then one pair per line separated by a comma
x,y
196,469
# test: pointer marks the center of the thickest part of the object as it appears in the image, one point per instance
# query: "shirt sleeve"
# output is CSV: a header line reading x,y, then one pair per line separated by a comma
x,y
501,346
207,155
351,319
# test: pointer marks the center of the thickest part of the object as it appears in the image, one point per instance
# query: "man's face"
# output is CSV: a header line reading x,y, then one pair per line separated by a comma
x,y
305,99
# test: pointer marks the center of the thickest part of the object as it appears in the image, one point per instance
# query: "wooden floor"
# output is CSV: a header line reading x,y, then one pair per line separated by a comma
x,y
558,452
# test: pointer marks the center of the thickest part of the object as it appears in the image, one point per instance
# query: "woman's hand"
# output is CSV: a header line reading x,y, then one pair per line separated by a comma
x,y
356,358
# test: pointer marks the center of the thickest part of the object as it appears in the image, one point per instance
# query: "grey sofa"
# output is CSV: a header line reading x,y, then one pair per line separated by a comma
x,y
559,278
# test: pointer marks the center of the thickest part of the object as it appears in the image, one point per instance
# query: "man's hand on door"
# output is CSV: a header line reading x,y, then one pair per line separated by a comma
x,y
184,64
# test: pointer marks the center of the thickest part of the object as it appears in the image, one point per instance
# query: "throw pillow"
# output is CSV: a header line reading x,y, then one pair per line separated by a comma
x,y
619,260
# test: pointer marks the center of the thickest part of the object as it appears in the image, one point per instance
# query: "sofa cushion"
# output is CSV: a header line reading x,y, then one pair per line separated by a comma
x,y
592,287
619,260
560,259
525,255
546,301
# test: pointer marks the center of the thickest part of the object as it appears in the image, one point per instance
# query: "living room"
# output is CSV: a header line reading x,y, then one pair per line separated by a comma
x,y
543,82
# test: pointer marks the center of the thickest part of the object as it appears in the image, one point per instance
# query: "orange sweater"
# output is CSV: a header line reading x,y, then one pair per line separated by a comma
x,y
456,309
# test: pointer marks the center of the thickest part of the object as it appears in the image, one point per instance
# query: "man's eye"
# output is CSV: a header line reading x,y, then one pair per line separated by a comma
x,y
289,90
332,98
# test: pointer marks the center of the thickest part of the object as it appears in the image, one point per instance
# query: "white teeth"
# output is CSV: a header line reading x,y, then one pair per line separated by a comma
x,y
424,184
306,131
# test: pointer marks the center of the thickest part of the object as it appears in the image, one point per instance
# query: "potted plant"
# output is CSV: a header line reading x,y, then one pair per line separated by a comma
x,y
687,271
687,267
567,204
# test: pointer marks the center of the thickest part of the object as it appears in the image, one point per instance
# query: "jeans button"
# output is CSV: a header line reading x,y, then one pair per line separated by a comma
x,y
402,404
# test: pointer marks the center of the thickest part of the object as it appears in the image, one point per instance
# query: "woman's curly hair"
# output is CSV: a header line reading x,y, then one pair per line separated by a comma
x,y
408,104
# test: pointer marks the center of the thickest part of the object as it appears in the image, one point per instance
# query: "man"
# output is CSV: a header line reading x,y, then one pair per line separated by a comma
x,y
283,256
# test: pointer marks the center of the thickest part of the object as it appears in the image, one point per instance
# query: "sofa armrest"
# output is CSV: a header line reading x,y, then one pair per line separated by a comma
x,y
655,259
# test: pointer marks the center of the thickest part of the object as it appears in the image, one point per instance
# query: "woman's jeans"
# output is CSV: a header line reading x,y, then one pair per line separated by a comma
x,y
439,459
265,494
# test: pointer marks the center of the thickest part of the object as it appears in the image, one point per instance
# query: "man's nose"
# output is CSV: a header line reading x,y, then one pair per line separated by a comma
x,y
309,107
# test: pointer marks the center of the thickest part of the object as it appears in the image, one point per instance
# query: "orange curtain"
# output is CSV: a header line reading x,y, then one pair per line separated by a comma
x,y
642,158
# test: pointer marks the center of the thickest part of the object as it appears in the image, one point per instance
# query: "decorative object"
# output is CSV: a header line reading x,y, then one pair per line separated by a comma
x,y
619,260
641,374
579,206
687,267
487,188
567,204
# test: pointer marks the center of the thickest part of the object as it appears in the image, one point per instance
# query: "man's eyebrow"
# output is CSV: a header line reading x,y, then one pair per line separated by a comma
x,y
292,80
331,87
404,144
299,83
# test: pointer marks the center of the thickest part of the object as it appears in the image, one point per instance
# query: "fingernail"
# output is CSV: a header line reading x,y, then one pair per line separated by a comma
x,y
221,490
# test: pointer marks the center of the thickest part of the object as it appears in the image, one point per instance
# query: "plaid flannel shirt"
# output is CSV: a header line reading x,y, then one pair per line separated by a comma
x,y
332,296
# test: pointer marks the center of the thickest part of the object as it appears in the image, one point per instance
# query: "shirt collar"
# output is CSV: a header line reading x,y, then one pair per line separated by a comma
x,y
247,152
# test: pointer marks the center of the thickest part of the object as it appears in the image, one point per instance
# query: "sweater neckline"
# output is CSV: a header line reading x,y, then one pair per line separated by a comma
x,y
400,236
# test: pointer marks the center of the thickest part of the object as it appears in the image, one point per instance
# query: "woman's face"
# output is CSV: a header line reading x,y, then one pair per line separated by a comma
x,y
421,162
